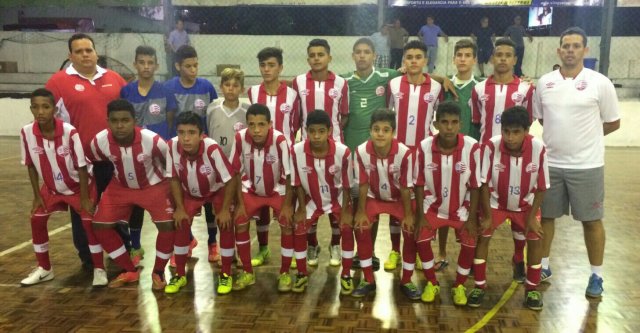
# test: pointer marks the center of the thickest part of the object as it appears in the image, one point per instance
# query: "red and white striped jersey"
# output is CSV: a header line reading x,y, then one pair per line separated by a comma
x,y
385,176
263,171
57,161
447,178
331,96
139,165
325,180
512,180
284,107
489,99
203,175
415,107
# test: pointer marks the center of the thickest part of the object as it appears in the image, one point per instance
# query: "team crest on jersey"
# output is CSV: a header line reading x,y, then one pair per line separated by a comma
x,y
399,95
205,170
531,168
484,98
429,97
79,87
142,157
500,167
307,169
581,85
199,104
37,150
550,85
63,151
304,92
334,93
334,169
270,159
154,109
285,108
460,167
239,126
380,91
517,97
432,166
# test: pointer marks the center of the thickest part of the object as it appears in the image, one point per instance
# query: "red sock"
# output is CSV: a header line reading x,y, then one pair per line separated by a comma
x,y
465,260
394,233
480,273
243,244
94,246
312,235
347,248
181,248
286,251
164,247
365,252
426,255
112,243
227,248
300,249
336,231
408,256
40,240
519,242
262,227
533,277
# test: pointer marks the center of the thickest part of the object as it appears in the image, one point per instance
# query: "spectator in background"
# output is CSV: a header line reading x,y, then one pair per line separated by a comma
x,y
380,41
484,36
177,38
397,37
516,33
429,34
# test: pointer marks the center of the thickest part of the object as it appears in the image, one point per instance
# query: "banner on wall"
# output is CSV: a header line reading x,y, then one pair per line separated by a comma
x,y
82,3
226,3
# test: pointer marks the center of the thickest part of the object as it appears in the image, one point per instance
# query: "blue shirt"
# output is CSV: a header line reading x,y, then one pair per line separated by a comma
x,y
195,99
151,110
430,34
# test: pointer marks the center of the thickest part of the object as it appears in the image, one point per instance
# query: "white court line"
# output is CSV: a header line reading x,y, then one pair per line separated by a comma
x,y
9,158
28,243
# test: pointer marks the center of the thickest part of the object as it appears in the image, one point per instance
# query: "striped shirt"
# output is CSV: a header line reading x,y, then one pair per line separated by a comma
x,y
284,107
385,176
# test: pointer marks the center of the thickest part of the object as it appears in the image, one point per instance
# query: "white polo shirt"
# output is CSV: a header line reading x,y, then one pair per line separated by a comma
x,y
573,111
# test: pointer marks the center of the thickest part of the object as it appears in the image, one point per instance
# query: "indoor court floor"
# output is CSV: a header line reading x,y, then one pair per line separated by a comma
x,y
69,304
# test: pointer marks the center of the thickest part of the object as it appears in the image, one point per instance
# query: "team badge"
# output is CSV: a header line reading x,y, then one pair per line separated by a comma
x,y
334,93
199,104
517,97
270,159
380,91
79,87
307,169
304,92
63,151
500,167
429,97
37,150
460,167
531,168
142,157
239,126
581,85
285,108
432,166
154,109
334,169
205,170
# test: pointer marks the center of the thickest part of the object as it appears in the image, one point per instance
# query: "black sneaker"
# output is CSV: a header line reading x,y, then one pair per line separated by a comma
x,y
533,300
519,272
376,263
475,297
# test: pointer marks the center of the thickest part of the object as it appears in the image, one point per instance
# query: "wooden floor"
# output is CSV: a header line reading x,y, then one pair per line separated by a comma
x,y
68,303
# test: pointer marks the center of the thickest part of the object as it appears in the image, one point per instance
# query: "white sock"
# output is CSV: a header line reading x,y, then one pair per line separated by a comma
x,y
545,263
597,270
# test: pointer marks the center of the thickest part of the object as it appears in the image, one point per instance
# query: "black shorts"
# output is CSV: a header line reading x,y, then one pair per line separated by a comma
x,y
484,54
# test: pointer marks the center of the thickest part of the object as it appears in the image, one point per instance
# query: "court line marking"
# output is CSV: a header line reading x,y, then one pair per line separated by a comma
x,y
489,315
29,242
9,158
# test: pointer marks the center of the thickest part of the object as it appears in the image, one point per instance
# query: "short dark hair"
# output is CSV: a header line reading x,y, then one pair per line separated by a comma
x,y
366,41
270,52
258,110
466,44
145,50
189,118
185,52
319,42
121,105
43,92
507,42
415,44
385,115
448,107
81,36
515,116
575,31
318,117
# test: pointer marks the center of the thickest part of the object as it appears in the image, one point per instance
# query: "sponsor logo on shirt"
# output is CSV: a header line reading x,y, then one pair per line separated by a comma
x,y
517,97
531,168
285,108
500,167
304,92
432,166
581,85
142,157
248,156
380,91
370,167
63,151
154,109
79,87
113,158
334,93
334,169
199,104
460,167
239,126
429,97
270,159
484,98
399,95
178,166
307,169
37,150
394,168
205,170
550,85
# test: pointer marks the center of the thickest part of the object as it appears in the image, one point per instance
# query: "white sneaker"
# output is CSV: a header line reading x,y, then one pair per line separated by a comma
x,y
312,255
335,255
100,278
38,275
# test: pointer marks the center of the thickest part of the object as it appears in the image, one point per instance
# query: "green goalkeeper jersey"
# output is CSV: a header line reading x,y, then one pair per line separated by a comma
x,y
464,89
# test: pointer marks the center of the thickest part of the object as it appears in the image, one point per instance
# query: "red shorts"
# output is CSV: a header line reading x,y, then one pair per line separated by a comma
x,y
193,205
301,228
55,202
375,207
118,201
518,222
435,223
253,204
